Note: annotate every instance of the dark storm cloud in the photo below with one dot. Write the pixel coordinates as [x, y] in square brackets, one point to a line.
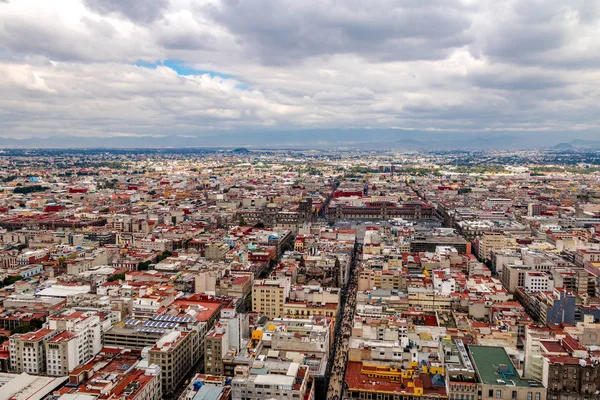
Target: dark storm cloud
[143, 11]
[287, 31]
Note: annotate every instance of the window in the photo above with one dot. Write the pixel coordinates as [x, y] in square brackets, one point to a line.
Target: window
[498, 394]
[491, 393]
[529, 396]
[514, 394]
[537, 396]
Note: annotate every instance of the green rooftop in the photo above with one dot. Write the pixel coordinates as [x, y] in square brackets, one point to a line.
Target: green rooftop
[494, 367]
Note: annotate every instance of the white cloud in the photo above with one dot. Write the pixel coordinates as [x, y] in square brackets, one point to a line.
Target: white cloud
[68, 67]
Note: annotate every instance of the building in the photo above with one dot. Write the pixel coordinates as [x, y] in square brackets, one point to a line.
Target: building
[28, 351]
[571, 378]
[174, 354]
[430, 243]
[536, 281]
[429, 299]
[216, 346]
[269, 297]
[62, 354]
[460, 373]
[498, 378]
[387, 381]
[513, 276]
[381, 210]
[555, 307]
[491, 241]
[80, 340]
[114, 374]
[122, 335]
[276, 379]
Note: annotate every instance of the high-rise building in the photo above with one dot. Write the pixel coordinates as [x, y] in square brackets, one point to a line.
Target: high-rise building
[174, 354]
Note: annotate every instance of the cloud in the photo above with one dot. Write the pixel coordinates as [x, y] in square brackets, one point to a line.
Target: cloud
[136, 10]
[287, 31]
[98, 68]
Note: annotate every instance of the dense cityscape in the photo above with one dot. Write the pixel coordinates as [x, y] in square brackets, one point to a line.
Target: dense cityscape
[217, 274]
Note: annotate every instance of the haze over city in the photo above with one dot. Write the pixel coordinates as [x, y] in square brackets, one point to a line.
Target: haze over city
[274, 73]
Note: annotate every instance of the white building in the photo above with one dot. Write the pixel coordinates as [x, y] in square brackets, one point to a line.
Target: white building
[28, 351]
[536, 281]
[80, 339]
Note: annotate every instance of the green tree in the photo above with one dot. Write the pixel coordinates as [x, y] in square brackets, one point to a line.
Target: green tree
[116, 277]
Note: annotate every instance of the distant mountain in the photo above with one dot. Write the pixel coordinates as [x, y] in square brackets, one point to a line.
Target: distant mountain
[241, 150]
[564, 146]
[590, 144]
[369, 139]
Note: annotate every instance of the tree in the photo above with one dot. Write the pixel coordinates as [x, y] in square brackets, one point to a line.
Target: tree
[116, 277]
[9, 280]
[22, 329]
[143, 266]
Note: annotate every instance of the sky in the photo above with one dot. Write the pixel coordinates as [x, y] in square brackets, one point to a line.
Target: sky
[99, 68]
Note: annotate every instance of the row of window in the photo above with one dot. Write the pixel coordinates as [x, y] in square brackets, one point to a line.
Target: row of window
[514, 394]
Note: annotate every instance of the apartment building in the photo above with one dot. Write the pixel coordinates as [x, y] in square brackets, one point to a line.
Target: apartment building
[498, 378]
[287, 380]
[269, 297]
[536, 281]
[62, 353]
[216, 346]
[174, 354]
[28, 351]
[429, 300]
[513, 276]
[491, 241]
[84, 342]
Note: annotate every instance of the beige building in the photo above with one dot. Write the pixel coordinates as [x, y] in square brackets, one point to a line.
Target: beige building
[216, 251]
[269, 297]
[28, 351]
[174, 354]
[429, 299]
[513, 276]
[386, 279]
[216, 346]
[491, 241]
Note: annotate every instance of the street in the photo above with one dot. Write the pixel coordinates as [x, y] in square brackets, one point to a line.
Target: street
[338, 369]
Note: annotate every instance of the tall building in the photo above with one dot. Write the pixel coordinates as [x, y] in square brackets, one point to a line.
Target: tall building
[28, 351]
[269, 297]
[491, 241]
[226, 336]
[62, 354]
[83, 341]
[174, 355]
[216, 345]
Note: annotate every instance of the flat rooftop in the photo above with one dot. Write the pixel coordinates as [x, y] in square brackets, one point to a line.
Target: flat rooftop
[494, 367]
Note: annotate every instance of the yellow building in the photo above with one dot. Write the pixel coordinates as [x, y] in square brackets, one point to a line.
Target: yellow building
[302, 309]
[491, 241]
[429, 300]
[268, 297]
